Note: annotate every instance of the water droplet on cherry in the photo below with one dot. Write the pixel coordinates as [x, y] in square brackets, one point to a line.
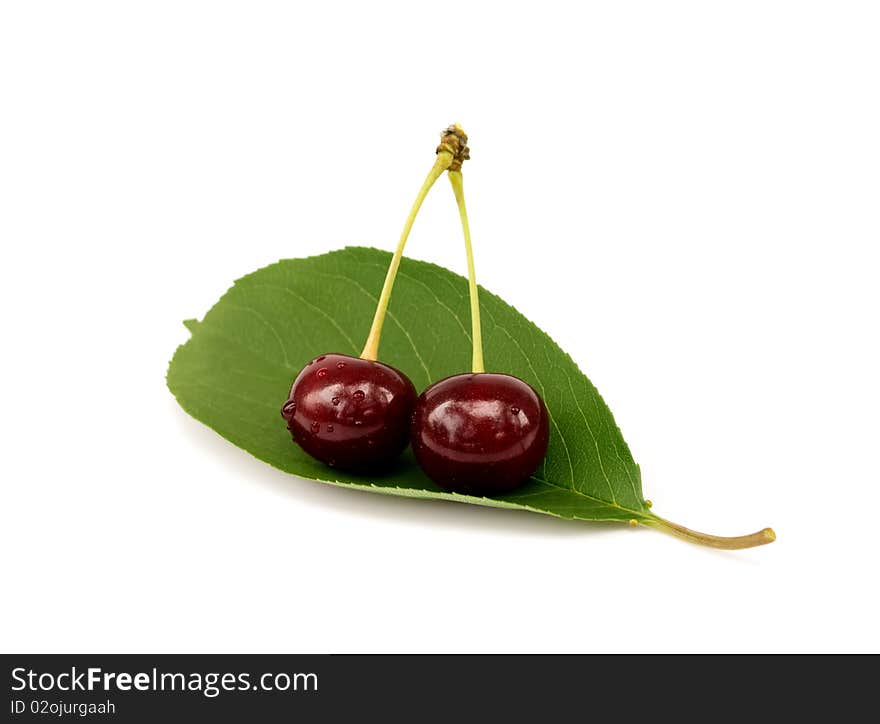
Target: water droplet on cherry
[514, 410]
[288, 409]
[363, 441]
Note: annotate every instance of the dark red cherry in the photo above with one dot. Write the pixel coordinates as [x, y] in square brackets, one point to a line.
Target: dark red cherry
[350, 412]
[481, 434]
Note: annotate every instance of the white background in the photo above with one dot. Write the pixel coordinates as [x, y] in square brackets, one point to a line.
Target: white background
[683, 194]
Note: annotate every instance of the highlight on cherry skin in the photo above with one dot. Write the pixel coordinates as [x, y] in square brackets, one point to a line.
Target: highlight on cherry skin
[349, 412]
[480, 433]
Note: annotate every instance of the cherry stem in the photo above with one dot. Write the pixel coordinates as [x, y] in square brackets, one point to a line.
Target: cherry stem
[455, 178]
[762, 537]
[371, 348]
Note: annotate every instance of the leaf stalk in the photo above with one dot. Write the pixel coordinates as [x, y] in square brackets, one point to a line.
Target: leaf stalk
[760, 538]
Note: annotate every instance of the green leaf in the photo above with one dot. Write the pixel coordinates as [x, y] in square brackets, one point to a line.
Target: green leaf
[235, 372]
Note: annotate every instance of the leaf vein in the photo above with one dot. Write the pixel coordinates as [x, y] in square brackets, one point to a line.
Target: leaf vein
[268, 324]
[595, 442]
[544, 394]
[390, 316]
[316, 308]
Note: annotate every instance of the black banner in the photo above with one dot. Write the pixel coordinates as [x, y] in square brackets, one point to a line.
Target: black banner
[267, 688]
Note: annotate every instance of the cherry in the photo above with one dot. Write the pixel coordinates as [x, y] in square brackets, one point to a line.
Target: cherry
[354, 412]
[349, 412]
[481, 434]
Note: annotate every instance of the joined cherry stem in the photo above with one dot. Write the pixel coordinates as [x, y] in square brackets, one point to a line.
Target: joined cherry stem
[371, 348]
[455, 178]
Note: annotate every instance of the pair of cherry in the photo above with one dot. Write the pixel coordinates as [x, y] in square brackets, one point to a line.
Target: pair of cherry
[481, 434]
[477, 433]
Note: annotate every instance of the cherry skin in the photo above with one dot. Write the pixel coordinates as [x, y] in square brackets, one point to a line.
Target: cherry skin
[481, 433]
[349, 412]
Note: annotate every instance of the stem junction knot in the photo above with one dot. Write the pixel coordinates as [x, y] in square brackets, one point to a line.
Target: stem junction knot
[454, 140]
